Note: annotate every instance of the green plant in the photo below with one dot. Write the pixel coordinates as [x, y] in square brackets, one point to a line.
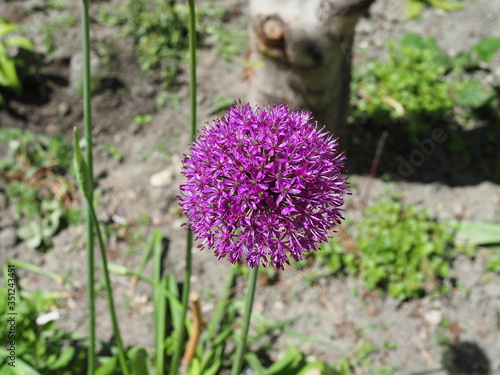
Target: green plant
[167, 97]
[396, 248]
[111, 151]
[10, 65]
[407, 87]
[229, 42]
[160, 32]
[112, 15]
[39, 348]
[414, 8]
[419, 86]
[361, 358]
[34, 176]
[292, 362]
[56, 4]
[473, 234]
[215, 346]
[143, 120]
[222, 104]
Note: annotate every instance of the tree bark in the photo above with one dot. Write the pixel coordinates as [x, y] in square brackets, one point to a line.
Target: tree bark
[301, 55]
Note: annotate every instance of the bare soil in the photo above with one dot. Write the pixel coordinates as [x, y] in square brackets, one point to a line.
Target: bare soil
[339, 313]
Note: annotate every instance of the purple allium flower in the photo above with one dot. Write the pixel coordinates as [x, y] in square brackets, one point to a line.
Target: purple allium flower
[262, 184]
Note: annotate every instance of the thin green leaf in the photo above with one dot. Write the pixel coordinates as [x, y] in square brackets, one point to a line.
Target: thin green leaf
[119, 269]
[35, 269]
[159, 307]
[22, 368]
[222, 337]
[19, 41]
[446, 5]
[288, 364]
[140, 361]
[414, 8]
[108, 368]
[477, 234]
[153, 243]
[63, 360]
[8, 74]
[221, 308]
[7, 27]
[206, 358]
[214, 369]
[174, 307]
[160, 329]
[82, 171]
[254, 363]
[194, 367]
[317, 368]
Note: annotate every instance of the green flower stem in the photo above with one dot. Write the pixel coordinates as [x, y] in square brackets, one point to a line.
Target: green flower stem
[109, 294]
[87, 119]
[192, 68]
[174, 365]
[159, 303]
[247, 314]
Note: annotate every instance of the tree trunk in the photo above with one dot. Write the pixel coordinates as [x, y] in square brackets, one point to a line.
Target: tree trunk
[301, 55]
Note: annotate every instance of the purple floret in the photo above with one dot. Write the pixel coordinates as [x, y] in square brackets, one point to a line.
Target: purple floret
[263, 184]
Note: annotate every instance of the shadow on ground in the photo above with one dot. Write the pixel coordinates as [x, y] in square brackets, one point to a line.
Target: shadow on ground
[440, 152]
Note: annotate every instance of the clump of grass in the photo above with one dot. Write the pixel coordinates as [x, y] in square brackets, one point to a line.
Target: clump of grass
[419, 86]
[396, 249]
[34, 175]
[160, 31]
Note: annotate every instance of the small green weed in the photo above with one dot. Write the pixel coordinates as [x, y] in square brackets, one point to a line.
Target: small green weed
[165, 98]
[112, 151]
[230, 42]
[112, 15]
[493, 264]
[56, 4]
[161, 35]
[396, 248]
[133, 234]
[414, 8]
[419, 85]
[143, 120]
[39, 348]
[361, 358]
[33, 176]
[222, 104]
[9, 65]
[473, 234]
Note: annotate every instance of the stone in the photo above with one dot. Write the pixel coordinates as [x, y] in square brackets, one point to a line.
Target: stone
[162, 178]
[8, 237]
[63, 109]
[492, 289]
[433, 317]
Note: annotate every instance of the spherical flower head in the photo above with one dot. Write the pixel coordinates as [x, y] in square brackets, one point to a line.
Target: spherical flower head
[263, 184]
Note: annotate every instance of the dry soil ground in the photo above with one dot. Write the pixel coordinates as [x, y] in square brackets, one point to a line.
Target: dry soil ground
[330, 312]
